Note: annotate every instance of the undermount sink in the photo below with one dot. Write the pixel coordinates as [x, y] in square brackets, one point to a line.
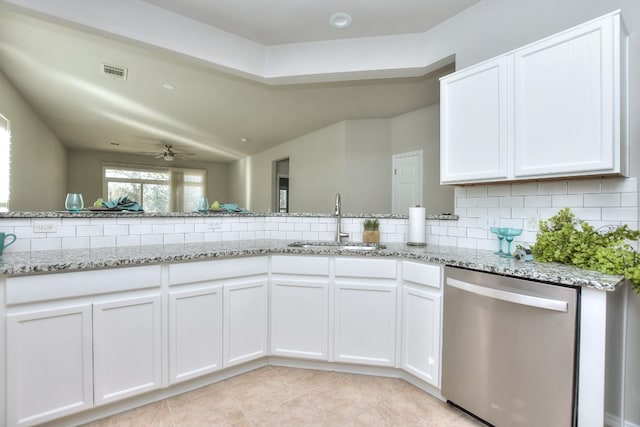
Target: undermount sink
[351, 246]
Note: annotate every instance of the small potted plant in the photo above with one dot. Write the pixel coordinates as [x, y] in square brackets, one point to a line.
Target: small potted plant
[371, 231]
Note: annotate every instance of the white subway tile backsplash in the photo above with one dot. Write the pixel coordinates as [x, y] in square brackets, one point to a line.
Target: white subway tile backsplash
[477, 191]
[89, 230]
[553, 187]
[584, 186]
[537, 201]
[103, 241]
[512, 202]
[526, 189]
[605, 199]
[116, 230]
[499, 190]
[151, 239]
[619, 214]
[620, 185]
[599, 201]
[76, 243]
[130, 240]
[567, 201]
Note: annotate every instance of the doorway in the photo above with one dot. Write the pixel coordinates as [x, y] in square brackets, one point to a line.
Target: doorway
[406, 181]
[281, 186]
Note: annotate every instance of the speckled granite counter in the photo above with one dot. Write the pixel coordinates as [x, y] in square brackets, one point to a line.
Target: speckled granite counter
[120, 214]
[70, 260]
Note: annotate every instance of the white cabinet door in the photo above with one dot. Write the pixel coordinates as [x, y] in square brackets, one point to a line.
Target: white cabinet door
[195, 332]
[300, 318]
[127, 348]
[567, 103]
[421, 334]
[245, 321]
[473, 124]
[49, 364]
[365, 324]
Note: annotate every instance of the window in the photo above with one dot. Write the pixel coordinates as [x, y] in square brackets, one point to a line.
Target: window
[5, 146]
[155, 189]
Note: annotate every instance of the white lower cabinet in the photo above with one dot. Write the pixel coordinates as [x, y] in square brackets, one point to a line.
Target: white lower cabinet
[365, 324]
[195, 332]
[127, 347]
[421, 320]
[245, 321]
[421, 334]
[300, 318]
[49, 364]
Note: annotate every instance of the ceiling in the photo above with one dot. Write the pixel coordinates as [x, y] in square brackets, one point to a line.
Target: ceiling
[57, 69]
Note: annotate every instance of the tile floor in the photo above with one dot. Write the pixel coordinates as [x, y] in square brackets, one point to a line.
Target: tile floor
[278, 396]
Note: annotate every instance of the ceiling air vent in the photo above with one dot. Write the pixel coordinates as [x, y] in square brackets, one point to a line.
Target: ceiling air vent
[113, 71]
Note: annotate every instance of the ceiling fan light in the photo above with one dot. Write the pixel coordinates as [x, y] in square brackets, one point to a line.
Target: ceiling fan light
[168, 157]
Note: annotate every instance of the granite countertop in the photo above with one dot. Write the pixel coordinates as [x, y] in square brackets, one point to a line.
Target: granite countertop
[105, 213]
[13, 263]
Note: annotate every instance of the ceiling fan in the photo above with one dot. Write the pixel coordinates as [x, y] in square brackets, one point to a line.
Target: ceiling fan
[169, 155]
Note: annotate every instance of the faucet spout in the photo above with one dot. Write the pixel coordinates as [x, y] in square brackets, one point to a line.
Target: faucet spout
[338, 214]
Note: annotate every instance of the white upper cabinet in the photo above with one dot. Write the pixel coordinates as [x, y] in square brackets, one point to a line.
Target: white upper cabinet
[565, 99]
[473, 117]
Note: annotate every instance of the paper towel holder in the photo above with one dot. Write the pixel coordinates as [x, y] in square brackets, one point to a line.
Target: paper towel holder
[418, 242]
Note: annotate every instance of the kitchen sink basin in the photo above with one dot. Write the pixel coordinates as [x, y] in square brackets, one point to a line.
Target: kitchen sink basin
[351, 246]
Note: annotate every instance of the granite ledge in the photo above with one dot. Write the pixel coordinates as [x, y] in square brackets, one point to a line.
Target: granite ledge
[128, 214]
[57, 261]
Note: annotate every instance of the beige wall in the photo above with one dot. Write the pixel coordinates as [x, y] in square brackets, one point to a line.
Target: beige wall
[37, 156]
[420, 130]
[85, 172]
[368, 167]
[353, 157]
[316, 172]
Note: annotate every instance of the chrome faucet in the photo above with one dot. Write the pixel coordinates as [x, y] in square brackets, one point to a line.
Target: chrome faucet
[337, 212]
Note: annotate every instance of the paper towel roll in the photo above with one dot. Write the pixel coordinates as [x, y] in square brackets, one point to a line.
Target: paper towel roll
[417, 219]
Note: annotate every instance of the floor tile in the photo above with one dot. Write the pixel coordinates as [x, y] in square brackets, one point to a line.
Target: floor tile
[290, 397]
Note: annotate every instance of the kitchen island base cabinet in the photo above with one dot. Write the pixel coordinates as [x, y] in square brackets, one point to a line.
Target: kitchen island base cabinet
[127, 347]
[245, 321]
[195, 332]
[49, 364]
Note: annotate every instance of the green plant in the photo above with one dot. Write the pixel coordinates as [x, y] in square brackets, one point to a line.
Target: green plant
[371, 225]
[565, 239]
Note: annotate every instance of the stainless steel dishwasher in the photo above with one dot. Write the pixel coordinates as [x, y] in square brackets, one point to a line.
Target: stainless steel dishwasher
[509, 349]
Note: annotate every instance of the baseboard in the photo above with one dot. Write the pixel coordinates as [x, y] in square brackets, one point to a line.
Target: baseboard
[611, 420]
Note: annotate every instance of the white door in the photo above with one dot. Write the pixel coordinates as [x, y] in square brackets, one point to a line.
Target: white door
[365, 324]
[474, 124]
[245, 321]
[421, 334]
[565, 103]
[127, 348]
[195, 332]
[49, 364]
[300, 318]
[407, 181]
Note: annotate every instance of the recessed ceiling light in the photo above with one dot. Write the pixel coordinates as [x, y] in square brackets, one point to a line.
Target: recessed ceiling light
[168, 86]
[340, 20]
[245, 140]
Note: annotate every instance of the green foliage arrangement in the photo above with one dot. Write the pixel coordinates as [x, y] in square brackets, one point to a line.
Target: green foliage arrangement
[565, 239]
[371, 224]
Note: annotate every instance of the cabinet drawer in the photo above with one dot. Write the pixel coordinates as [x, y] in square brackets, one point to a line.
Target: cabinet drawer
[24, 289]
[201, 271]
[423, 274]
[307, 265]
[374, 268]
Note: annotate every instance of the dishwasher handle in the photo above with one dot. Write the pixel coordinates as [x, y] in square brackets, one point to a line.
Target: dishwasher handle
[513, 297]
